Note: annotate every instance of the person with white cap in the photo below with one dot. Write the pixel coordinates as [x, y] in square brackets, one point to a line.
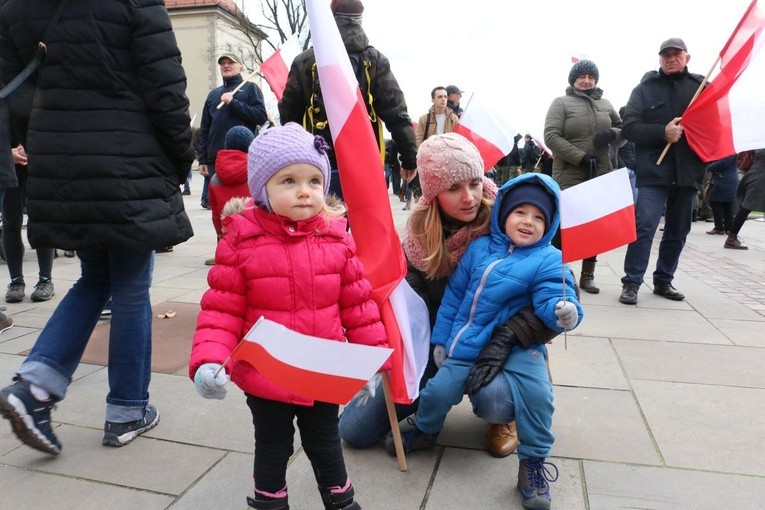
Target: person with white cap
[245, 108]
[652, 120]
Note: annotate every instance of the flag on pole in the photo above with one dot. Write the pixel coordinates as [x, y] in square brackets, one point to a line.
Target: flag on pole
[276, 68]
[727, 116]
[597, 216]
[491, 134]
[369, 212]
[312, 367]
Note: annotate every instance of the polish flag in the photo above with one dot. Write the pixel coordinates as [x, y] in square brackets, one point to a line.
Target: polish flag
[309, 366]
[597, 216]
[276, 68]
[727, 116]
[576, 57]
[488, 131]
[369, 212]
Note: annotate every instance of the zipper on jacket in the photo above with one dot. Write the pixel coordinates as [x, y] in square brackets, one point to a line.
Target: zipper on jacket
[474, 304]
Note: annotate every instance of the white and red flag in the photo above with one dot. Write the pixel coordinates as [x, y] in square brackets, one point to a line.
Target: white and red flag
[597, 216]
[308, 366]
[276, 68]
[491, 133]
[728, 115]
[369, 212]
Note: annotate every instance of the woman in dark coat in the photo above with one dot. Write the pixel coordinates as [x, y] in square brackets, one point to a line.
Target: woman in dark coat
[724, 179]
[108, 137]
[750, 193]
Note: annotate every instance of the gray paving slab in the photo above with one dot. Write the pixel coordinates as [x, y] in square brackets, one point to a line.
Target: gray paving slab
[226, 485]
[724, 365]
[706, 427]
[601, 425]
[587, 362]
[21, 491]
[747, 333]
[159, 466]
[611, 486]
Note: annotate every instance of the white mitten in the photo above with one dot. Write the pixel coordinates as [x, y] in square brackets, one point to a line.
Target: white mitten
[439, 355]
[368, 390]
[208, 384]
[567, 315]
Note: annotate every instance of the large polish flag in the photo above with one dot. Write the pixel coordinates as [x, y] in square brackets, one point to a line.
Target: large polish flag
[728, 115]
[492, 134]
[276, 68]
[308, 366]
[597, 216]
[378, 245]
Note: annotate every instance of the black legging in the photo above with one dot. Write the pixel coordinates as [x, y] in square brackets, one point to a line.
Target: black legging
[13, 244]
[738, 220]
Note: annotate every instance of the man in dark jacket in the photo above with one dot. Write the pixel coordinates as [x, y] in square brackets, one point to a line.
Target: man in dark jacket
[109, 143]
[651, 121]
[302, 100]
[245, 108]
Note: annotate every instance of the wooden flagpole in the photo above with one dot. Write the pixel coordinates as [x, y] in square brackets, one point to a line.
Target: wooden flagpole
[394, 428]
[698, 91]
[241, 85]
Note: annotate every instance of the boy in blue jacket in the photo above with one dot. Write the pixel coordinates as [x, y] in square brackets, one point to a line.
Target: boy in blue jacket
[499, 274]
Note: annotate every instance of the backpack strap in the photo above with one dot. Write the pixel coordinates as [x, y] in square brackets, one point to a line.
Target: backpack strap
[40, 53]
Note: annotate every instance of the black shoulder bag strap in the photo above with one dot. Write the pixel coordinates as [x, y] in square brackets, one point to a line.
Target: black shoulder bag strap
[33, 64]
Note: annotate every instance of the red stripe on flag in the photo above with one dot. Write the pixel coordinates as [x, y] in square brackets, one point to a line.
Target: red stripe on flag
[336, 389]
[490, 153]
[275, 71]
[598, 236]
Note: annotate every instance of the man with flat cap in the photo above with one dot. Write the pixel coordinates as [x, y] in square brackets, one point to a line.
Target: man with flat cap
[245, 108]
[651, 121]
[453, 96]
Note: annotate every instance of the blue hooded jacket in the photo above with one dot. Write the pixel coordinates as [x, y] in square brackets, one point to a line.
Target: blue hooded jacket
[495, 279]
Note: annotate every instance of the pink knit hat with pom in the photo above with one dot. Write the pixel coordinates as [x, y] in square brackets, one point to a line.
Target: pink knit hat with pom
[444, 160]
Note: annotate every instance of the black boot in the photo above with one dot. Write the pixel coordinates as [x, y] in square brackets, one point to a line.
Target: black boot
[587, 280]
[337, 501]
[260, 502]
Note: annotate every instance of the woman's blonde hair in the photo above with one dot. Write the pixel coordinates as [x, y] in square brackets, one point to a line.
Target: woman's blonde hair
[427, 227]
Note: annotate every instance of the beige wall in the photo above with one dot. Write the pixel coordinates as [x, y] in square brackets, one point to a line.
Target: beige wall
[203, 35]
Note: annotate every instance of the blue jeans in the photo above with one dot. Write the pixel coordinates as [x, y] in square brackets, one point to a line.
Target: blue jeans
[126, 277]
[205, 200]
[677, 206]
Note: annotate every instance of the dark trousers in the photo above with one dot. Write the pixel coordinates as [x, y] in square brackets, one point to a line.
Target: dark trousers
[722, 212]
[274, 435]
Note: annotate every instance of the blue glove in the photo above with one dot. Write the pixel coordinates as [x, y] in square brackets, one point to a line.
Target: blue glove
[567, 314]
[207, 384]
[368, 390]
[439, 355]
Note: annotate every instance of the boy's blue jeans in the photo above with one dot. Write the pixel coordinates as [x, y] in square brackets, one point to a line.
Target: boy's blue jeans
[126, 277]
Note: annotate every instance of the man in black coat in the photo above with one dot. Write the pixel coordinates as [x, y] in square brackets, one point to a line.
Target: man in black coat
[651, 121]
[245, 108]
[108, 139]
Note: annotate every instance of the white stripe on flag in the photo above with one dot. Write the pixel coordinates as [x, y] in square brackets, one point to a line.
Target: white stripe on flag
[595, 198]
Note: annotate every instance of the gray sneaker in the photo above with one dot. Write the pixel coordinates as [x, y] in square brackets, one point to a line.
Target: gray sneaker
[15, 292]
[43, 290]
[29, 417]
[120, 434]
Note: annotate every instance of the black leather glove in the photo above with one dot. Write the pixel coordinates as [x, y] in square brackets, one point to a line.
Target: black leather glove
[589, 161]
[491, 359]
[604, 138]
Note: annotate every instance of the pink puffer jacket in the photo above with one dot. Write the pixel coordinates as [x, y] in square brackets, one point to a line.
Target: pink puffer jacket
[304, 275]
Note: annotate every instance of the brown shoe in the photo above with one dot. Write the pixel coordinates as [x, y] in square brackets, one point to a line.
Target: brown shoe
[210, 262]
[502, 439]
[732, 242]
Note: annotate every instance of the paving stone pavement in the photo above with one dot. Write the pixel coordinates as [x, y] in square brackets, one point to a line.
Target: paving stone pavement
[658, 406]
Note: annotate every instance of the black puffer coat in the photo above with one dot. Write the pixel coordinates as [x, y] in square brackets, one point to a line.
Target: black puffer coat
[105, 123]
[657, 100]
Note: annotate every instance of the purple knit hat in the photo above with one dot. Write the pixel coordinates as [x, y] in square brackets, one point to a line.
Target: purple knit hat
[278, 147]
[444, 160]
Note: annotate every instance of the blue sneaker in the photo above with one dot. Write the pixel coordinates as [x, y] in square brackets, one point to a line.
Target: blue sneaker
[412, 439]
[120, 434]
[29, 417]
[532, 483]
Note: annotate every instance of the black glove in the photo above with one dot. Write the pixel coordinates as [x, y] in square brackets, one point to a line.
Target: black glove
[589, 161]
[491, 359]
[604, 138]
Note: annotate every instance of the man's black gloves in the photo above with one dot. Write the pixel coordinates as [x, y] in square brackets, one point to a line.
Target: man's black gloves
[589, 161]
[491, 359]
[604, 138]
